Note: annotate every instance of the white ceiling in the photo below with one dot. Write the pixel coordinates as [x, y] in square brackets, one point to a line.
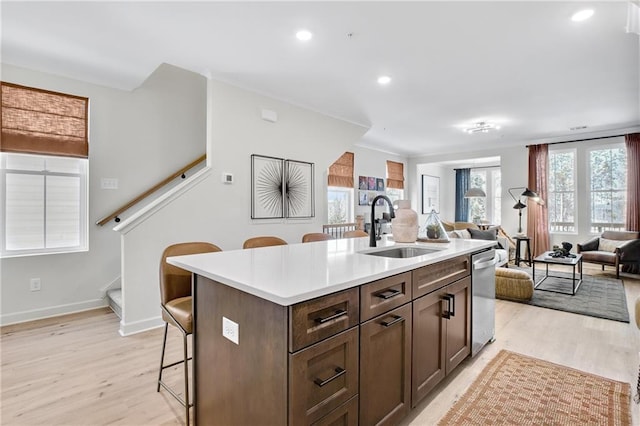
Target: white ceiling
[523, 65]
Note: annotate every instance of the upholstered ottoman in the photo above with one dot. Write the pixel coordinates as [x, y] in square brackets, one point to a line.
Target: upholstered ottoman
[513, 284]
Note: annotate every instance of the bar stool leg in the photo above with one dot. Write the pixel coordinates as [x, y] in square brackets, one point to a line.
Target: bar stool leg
[186, 379]
[164, 345]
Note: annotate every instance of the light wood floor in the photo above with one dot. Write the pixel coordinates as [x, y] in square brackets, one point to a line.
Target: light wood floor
[77, 370]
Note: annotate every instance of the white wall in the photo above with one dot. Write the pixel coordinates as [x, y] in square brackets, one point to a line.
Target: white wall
[447, 196]
[513, 166]
[372, 163]
[219, 213]
[137, 137]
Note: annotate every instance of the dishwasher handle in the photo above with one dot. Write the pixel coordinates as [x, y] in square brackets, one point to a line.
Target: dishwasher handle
[487, 264]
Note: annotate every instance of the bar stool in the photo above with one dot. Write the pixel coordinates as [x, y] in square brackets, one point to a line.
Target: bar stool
[316, 236]
[175, 301]
[265, 241]
[526, 240]
[355, 234]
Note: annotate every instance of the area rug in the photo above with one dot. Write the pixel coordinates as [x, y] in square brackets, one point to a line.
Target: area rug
[515, 389]
[600, 297]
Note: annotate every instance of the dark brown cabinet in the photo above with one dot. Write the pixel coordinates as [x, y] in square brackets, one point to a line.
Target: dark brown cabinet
[385, 367]
[364, 355]
[441, 335]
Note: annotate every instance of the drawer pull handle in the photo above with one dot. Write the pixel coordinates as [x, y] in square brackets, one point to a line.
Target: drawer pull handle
[447, 312]
[453, 304]
[396, 318]
[339, 372]
[388, 294]
[338, 314]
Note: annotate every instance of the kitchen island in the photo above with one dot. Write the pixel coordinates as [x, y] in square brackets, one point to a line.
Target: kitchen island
[326, 332]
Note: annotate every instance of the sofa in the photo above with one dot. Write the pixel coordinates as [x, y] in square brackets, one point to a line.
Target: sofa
[502, 243]
[613, 248]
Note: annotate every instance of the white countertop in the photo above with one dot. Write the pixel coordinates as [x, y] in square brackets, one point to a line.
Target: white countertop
[297, 272]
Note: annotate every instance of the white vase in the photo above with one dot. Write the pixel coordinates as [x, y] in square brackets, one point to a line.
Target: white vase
[404, 226]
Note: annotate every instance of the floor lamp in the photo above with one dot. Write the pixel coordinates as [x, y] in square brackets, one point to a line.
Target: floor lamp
[520, 205]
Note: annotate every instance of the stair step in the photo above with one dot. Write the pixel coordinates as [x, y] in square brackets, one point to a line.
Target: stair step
[115, 301]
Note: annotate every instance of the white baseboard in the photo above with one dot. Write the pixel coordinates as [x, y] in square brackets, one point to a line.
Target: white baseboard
[129, 328]
[117, 283]
[53, 311]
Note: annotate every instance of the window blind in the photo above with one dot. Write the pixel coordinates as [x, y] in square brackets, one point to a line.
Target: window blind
[36, 121]
[341, 171]
[395, 175]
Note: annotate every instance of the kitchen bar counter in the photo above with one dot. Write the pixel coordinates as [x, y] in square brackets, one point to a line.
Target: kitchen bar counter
[298, 272]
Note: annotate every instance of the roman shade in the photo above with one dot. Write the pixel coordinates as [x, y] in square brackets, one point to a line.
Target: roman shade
[341, 171]
[36, 121]
[395, 175]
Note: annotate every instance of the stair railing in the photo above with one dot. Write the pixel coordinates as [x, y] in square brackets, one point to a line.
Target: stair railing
[145, 194]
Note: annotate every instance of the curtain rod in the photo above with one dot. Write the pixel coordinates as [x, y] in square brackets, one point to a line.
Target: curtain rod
[577, 140]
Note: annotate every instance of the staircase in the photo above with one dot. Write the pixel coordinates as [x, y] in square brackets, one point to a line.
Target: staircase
[114, 297]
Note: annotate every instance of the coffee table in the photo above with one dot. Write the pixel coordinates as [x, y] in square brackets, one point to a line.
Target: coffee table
[569, 261]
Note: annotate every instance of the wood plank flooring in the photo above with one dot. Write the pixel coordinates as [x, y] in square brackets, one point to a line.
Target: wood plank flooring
[77, 370]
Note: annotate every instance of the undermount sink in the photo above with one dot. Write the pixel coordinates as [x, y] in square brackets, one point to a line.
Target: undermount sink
[402, 252]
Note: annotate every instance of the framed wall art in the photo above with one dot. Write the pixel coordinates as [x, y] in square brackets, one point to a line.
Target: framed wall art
[267, 184]
[298, 189]
[281, 188]
[430, 194]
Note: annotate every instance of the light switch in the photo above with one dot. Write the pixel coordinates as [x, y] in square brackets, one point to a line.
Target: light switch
[109, 183]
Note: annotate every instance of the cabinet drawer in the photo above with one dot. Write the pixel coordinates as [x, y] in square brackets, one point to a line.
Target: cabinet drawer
[344, 415]
[432, 277]
[317, 319]
[381, 296]
[322, 377]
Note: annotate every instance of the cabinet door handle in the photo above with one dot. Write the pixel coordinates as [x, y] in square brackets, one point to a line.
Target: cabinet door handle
[339, 313]
[396, 318]
[447, 311]
[453, 304]
[339, 372]
[388, 293]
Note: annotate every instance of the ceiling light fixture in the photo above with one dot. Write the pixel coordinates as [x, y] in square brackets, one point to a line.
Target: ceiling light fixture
[582, 15]
[304, 35]
[481, 127]
[384, 79]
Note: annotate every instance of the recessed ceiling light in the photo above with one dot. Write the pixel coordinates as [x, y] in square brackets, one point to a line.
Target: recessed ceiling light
[582, 15]
[384, 79]
[304, 35]
[481, 127]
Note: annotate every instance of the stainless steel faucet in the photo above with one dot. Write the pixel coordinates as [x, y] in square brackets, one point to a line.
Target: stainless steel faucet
[372, 231]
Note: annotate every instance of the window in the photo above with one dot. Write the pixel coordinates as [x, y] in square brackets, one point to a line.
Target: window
[486, 208]
[45, 204]
[43, 171]
[340, 204]
[395, 195]
[608, 188]
[562, 191]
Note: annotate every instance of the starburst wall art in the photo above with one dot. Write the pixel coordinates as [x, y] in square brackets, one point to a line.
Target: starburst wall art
[281, 188]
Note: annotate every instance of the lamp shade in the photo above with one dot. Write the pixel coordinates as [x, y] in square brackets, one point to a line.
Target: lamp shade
[520, 205]
[474, 192]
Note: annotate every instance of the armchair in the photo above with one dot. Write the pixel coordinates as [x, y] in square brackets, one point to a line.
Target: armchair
[613, 248]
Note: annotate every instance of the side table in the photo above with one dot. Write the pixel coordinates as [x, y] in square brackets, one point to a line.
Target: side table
[519, 239]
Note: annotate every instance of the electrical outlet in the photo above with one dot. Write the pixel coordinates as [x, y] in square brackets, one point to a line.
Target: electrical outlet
[34, 285]
[230, 330]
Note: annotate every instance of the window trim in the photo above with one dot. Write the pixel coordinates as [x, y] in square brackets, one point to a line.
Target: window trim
[575, 192]
[588, 183]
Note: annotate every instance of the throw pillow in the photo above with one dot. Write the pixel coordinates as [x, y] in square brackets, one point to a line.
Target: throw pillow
[489, 234]
[452, 234]
[610, 245]
[463, 233]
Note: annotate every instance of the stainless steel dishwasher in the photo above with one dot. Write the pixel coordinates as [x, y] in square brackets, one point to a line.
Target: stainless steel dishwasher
[483, 299]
